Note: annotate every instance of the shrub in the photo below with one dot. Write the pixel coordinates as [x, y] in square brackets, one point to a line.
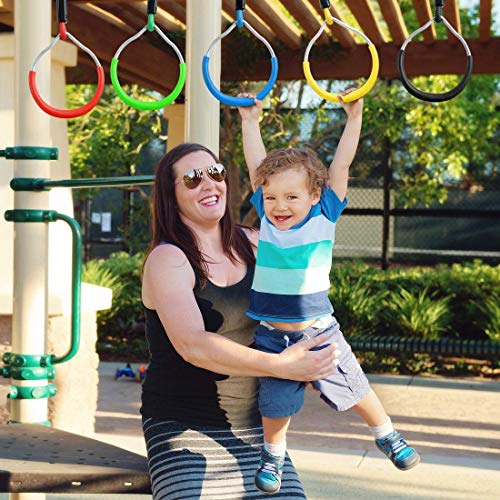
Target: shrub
[420, 315]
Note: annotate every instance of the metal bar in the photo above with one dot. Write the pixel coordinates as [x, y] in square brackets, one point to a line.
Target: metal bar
[424, 212]
[76, 287]
[444, 346]
[29, 184]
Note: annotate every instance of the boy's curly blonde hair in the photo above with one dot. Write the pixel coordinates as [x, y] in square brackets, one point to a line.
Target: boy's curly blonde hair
[283, 159]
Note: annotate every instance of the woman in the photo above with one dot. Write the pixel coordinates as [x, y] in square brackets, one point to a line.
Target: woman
[199, 402]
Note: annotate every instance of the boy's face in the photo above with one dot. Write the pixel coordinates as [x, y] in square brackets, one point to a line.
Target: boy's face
[287, 200]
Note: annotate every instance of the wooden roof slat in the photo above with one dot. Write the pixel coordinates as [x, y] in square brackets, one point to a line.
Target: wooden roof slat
[424, 13]
[485, 8]
[345, 37]
[6, 6]
[452, 15]
[174, 8]
[85, 72]
[108, 15]
[162, 18]
[365, 16]
[284, 29]
[139, 58]
[394, 18]
[305, 15]
[254, 21]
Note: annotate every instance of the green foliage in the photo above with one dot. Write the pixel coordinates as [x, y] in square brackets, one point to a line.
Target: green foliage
[421, 315]
[491, 317]
[108, 141]
[357, 304]
[122, 273]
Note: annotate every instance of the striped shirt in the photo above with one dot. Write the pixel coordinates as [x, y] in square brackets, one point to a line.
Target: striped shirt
[291, 280]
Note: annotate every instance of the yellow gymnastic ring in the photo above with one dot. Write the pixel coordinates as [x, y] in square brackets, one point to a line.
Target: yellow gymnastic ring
[352, 96]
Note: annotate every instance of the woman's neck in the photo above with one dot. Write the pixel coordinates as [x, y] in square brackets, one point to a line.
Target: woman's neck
[209, 236]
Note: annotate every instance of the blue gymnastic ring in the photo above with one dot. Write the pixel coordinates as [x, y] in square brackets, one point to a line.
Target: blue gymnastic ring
[238, 101]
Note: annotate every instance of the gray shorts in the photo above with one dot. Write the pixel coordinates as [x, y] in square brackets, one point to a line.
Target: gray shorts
[343, 389]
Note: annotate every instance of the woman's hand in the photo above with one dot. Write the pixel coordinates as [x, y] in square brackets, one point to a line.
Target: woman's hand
[353, 109]
[298, 362]
[250, 112]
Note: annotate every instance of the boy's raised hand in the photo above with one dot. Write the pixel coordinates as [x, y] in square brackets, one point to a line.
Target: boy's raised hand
[250, 112]
[353, 109]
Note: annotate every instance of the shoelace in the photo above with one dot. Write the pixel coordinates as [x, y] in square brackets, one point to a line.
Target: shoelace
[270, 468]
[397, 443]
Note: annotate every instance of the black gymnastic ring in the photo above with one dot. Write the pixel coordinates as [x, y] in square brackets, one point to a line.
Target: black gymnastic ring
[427, 96]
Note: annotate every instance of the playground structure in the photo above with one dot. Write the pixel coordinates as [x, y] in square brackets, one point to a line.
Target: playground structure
[29, 361]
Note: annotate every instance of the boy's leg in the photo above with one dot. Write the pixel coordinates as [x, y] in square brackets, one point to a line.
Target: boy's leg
[268, 475]
[388, 441]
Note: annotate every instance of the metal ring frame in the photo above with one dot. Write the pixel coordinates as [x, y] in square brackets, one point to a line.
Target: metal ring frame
[356, 94]
[239, 101]
[66, 113]
[147, 105]
[427, 96]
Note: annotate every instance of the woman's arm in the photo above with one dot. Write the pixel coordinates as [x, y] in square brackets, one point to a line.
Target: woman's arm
[168, 288]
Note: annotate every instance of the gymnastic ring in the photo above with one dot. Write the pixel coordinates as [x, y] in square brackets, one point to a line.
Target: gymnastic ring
[428, 96]
[147, 105]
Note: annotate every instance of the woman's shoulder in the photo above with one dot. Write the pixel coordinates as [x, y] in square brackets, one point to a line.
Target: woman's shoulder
[252, 234]
[166, 270]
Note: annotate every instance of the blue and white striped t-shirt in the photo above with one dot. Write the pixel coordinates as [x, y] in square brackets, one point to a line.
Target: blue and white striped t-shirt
[291, 279]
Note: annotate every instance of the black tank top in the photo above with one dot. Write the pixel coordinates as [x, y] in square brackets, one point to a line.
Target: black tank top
[177, 390]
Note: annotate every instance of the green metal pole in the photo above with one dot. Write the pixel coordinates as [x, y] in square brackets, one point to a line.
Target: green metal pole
[41, 184]
[76, 288]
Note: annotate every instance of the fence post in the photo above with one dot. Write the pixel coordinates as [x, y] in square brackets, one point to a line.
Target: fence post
[386, 162]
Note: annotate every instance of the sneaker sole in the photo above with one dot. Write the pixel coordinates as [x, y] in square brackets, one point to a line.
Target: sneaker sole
[267, 492]
[408, 467]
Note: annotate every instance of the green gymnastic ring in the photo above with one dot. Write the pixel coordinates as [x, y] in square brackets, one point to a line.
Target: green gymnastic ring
[147, 105]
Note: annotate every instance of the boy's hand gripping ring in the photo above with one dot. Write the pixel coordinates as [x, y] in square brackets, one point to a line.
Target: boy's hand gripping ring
[427, 96]
[239, 101]
[66, 113]
[356, 94]
[148, 105]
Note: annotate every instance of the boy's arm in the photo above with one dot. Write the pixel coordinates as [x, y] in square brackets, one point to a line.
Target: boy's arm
[253, 146]
[338, 173]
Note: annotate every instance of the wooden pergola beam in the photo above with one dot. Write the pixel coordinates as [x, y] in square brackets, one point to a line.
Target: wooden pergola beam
[424, 14]
[485, 8]
[306, 16]
[6, 6]
[394, 18]
[255, 22]
[284, 29]
[137, 58]
[162, 18]
[420, 60]
[365, 16]
[345, 37]
[174, 8]
[85, 73]
[452, 14]
[109, 14]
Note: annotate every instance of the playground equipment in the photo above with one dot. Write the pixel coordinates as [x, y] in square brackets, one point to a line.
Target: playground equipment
[427, 96]
[148, 105]
[128, 372]
[370, 82]
[63, 35]
[239, 101]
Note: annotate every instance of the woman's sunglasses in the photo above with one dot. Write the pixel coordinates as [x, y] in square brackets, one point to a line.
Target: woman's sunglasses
[192, 178]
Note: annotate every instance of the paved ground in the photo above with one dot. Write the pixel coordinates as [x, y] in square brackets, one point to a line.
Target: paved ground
[455, 424]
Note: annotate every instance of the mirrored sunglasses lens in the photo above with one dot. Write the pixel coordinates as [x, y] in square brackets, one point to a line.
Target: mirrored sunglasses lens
[217, 172]
[192, 179]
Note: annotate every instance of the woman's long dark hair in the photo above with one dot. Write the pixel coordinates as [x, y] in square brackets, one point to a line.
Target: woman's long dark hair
[167, 226]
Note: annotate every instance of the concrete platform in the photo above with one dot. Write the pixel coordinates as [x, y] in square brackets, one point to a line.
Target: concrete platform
[455, 424]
